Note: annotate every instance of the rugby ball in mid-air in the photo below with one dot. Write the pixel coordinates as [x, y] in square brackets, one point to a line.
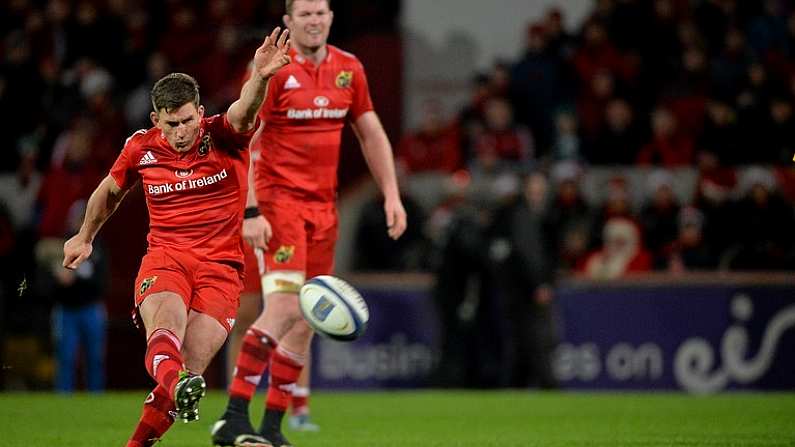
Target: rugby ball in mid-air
[333, 308]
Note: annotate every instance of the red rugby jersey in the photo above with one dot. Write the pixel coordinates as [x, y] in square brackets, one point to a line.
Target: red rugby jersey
[195, 198]
[304, 114]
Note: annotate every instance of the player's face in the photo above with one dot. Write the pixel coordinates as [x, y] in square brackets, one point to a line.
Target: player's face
[180, 126]
[309, 23]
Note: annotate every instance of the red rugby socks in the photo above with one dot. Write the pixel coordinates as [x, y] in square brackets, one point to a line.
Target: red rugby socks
[255, 353]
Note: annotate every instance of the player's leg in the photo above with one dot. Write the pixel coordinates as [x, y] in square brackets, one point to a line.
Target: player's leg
[164, 316]
[204, 336]
[282, 276]
[161, 293]
[300, 414]
[286, 364]
[156, 418]
[212, 317]
[250, 308]
[289, 360]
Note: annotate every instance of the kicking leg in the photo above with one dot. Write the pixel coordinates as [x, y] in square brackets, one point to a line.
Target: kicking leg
[164, 316]
[156, 418]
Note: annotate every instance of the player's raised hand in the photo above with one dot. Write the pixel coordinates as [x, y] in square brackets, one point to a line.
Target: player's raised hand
[395, 218]
[75, 251]
[272, 54]
[257, 232]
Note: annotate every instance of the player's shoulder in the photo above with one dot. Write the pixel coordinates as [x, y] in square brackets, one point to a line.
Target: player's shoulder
[344, 57]
[214, 119]
[216, 125]
[342, 53]
[141, 138]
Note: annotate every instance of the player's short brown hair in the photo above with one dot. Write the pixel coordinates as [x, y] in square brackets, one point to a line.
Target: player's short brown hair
[288, 5]
[174, 91]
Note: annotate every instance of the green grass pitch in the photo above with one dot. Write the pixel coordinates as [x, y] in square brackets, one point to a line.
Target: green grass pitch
[433, 419]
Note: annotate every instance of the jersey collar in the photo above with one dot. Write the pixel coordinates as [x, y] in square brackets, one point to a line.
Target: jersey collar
[302, 60]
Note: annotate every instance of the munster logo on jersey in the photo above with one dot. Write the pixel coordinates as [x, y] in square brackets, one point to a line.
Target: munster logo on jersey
[204, 147]
[146, 284]
[284, 253]
[344, 79]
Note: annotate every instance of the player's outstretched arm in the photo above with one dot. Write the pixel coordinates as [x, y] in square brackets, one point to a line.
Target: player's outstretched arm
[101, 205]
[268, 59]
[378, 154]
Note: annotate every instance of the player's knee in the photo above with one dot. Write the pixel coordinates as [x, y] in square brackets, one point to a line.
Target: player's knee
[164, 310]
[173, 323]
[284, 305]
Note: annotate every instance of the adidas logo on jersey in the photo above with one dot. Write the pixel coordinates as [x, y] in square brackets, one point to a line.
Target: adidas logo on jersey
[147, 159]
[291, 83]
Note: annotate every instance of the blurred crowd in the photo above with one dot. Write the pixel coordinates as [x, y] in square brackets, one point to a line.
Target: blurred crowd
[658, 82]
[663, 86]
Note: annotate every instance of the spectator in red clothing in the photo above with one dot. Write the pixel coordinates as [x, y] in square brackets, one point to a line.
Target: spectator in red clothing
[591, 104]
[502, 142]
[668, 147]
[597, 54]
[622, 254]
[67, 181]
[435, 146]
[686, 94]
